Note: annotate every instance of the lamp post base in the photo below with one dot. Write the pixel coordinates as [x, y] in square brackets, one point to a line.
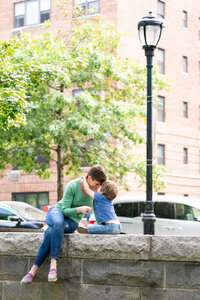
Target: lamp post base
[148, 223]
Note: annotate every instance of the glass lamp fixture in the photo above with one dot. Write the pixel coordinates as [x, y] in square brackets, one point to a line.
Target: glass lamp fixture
[150, 29]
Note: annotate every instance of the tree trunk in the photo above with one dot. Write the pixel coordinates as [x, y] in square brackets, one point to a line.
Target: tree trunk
[60, 167]
[59, 173]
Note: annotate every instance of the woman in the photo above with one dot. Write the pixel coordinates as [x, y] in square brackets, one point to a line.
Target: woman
[64, 217]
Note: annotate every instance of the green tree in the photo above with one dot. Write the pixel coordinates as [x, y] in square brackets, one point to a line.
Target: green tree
[99, 124]
[13, 84]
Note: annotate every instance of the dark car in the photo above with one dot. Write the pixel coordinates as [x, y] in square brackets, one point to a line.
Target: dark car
[14, 214]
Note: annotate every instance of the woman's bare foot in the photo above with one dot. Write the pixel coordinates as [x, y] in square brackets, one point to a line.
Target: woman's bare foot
[81, 229]
[33, 270]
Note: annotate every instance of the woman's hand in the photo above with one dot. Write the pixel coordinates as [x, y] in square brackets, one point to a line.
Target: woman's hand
[85, 184]
[84, 209]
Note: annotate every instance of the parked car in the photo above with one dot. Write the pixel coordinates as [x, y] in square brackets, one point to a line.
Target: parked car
[174, 215]
[14, 214]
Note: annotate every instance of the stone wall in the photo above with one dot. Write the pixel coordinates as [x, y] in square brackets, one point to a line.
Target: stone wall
[95, 267]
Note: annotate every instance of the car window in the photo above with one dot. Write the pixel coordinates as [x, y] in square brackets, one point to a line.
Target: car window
[128, 209]
[5, 213]
[164, 210]
[141, 208]
[27, 211]
[196, 213]
[34, 214]
[186, 212]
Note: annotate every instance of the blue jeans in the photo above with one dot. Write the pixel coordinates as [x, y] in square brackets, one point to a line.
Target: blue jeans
[107, 228]
[53, 236]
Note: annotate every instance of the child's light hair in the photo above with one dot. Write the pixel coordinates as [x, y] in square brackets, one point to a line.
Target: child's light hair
[109, 190]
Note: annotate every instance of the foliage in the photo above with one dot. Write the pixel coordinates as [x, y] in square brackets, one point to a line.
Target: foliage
[100, 125]
[13, 84]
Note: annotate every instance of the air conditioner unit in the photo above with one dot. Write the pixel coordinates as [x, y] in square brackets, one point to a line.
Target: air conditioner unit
[14, 175]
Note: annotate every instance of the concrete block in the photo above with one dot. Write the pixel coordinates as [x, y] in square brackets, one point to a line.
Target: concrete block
[183, 275]
[69, 270]
[20, 243]
[126, 247]
[12, 268]
[154, 293]
[110, 293]
[1, 289]
[35, 291]
[170, 294]
[119, 273]
[76, 292]
[175, 248]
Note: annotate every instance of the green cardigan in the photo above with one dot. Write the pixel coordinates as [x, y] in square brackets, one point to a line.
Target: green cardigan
[73, 197]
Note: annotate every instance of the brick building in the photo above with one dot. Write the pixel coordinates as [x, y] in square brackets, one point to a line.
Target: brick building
[176, 137]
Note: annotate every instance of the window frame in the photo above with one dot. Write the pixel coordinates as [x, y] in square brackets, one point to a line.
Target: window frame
[24, 198]
[85, 6]
[185, 64]
[25, 13]
[161, 63]
[161, 109]
[185, 19]
[161, 4]
[185, 110]
[161, 160]
[185, 156]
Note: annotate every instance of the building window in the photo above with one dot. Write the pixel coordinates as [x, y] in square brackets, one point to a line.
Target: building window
[161, 9]
[161, 60]
[38, 200]
[92, 6]
[161, 154]
[185, 156]
[39, 159]
[185, 64]
[31, 12]
[185, 110]
[77, 93]
[185, 19]
[161, 109]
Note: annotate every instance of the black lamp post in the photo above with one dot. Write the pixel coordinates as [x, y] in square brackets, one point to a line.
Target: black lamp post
[149, 28]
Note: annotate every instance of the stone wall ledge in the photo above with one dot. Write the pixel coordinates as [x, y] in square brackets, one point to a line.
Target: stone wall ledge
[114, 247]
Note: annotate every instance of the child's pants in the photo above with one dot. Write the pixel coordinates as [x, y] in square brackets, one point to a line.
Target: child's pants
[106, 228]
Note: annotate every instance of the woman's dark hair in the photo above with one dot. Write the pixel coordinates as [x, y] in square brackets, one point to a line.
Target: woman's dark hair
[97, 173]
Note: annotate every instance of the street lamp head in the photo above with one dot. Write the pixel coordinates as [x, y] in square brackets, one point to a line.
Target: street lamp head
[150, 29]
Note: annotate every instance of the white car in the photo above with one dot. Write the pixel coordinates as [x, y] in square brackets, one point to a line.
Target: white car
[15, 214]
[174, 215]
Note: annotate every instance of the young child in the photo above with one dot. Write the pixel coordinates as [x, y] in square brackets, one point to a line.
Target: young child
[107, 221]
